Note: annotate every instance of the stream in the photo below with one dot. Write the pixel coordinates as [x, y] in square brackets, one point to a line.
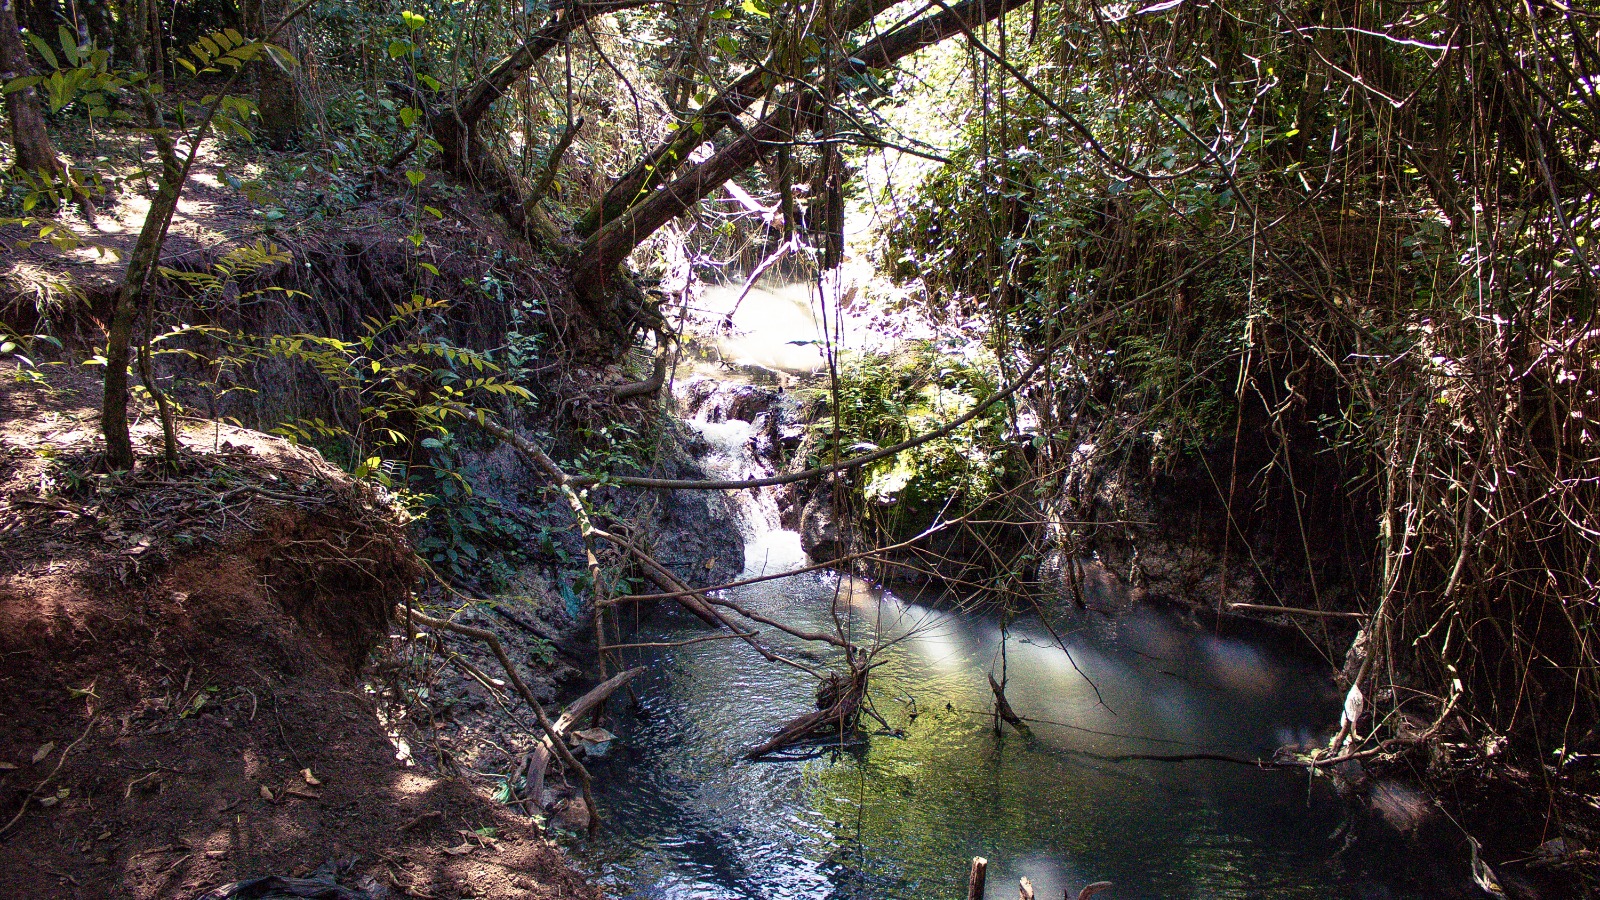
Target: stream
[900, 812]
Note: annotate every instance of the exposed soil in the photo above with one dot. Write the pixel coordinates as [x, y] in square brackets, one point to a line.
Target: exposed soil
[180, 657]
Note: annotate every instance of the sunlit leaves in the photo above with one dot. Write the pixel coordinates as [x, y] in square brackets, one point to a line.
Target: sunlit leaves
[226, 49]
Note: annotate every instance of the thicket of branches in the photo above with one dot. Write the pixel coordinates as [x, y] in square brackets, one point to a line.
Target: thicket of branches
[1360, 231]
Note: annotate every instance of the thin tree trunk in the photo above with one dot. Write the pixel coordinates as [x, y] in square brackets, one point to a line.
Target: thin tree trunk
[154, 46]
[132, 23]
[131, 296]
[36, 153]
[599, 256]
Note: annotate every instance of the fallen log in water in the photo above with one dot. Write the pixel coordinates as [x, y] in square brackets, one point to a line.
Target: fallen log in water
[537, 761]
[839, 701]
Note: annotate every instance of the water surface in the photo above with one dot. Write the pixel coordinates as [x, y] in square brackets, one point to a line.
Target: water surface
[899, 814]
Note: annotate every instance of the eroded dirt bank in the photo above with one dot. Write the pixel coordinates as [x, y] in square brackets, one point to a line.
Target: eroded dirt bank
[179, 668]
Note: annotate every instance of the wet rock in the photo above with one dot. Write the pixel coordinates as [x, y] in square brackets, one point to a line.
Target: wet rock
[573, 814]
[822, 536]
[694, 533]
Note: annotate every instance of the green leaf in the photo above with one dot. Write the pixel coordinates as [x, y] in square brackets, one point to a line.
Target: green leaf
[399, 48]
[69, 44]
[409, 115]
[17, 84]
[280, 57]
[757, 8]
[415, 177]
[44, 50]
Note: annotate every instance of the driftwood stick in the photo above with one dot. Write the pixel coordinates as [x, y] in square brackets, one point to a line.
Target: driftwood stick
[1295, 611]
[646, 645]
[1088, 891]
[520, 622]
[538, 759]
[596, 695]
[1003, 706]
[976, 877]
[493, 641]
[664, 578]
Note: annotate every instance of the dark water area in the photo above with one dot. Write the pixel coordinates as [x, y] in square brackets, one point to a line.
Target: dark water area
[899, 815]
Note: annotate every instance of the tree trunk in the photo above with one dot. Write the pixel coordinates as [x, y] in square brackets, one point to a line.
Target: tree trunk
[132, 24]
[131, 297]
[721, 111]
[456, 127]
[35, 151]
[595, 269]
[154, 42]
[279, 95]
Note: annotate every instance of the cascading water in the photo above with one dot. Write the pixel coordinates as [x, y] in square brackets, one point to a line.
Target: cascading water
[739, 426]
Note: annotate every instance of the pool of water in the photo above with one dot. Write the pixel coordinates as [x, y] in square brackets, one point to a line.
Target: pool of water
[900, 812]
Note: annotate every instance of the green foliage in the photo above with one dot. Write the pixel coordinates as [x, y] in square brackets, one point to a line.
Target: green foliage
[240, 262]
[883, 400]
[608, 450]
[21, 349]
[412, 391]
[470, 536]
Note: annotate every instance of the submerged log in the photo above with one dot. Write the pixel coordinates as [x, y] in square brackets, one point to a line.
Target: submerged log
[839, 706]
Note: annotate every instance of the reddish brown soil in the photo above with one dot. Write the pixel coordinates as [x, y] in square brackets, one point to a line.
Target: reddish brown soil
[176, 650]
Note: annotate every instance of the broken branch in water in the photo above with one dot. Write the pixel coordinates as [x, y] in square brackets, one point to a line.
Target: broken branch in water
[537, 761]
[1003, 706]
[839, 706]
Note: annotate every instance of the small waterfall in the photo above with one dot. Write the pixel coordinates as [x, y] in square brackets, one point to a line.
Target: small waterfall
[742, 428]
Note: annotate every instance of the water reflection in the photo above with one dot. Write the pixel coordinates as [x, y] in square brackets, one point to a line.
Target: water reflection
[899, 815]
